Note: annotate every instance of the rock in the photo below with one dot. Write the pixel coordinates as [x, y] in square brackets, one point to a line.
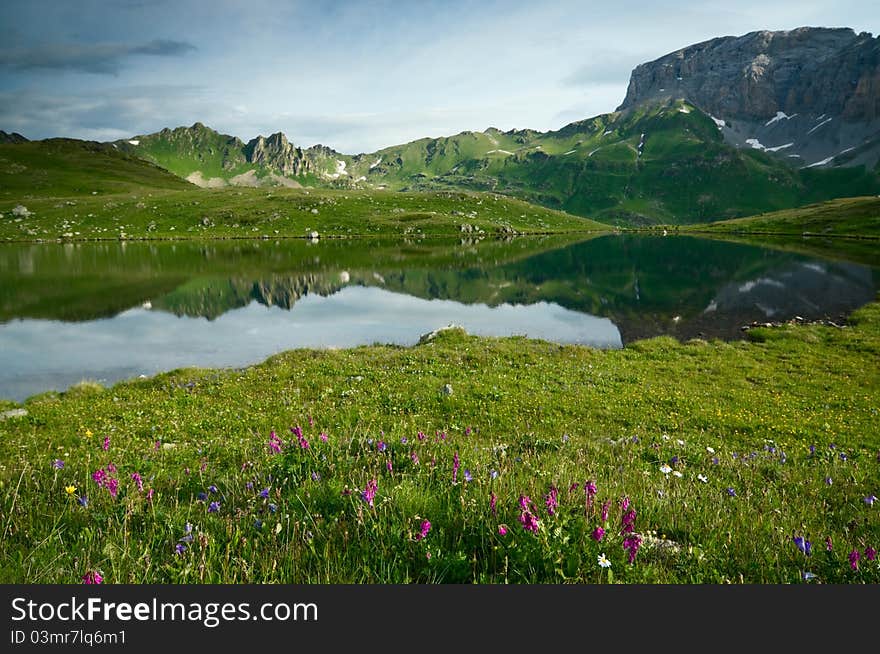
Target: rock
[430, 336]
[13, 413]
[315, 212]
[21, 211]
[314, 235]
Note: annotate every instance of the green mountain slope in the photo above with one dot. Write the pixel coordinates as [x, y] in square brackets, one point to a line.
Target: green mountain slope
[655, 163]
[66, 167]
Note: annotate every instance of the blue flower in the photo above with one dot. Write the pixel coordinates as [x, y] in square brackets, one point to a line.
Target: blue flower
[212, 488]
[493, 474]
[202, 497]
[264, 493]
[468, 476]
[273, 508]
[83, 500]
[213, 507]
[731, 491]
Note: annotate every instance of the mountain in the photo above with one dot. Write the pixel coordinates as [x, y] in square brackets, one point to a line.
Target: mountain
[207, 158]
[810, 95]
[14, 137]
[68, 167]
[727, 128]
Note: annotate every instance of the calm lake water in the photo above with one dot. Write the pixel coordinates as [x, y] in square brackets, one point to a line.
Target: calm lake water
[111, 311]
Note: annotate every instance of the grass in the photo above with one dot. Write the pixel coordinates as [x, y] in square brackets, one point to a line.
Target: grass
[443, 427]
[857, 217]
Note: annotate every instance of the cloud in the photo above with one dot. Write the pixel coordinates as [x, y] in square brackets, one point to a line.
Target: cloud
[97, 58]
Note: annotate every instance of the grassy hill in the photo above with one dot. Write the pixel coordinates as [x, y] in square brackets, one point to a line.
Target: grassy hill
[60, 168]
[851, 217]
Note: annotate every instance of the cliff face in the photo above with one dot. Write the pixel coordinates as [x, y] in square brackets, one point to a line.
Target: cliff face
[278, 154]
[812, 92]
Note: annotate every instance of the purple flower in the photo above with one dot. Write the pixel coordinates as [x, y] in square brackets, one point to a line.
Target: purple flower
[731, 491]
[213, 507]
[316, 476]
[58, 464]
[870, 553]
[202, 497]
[389, 465]
[264, 493]
[492, 501]
[673, 461]
[455, 465]
[298, 432]
[828, 480]
[551, 500]
[92, 578]
[180, 548]
[529, 521]
[249, 485]
[403, 440]
[414, 457]
[369, 493]
[274, 443]
[524, 502]
[423, 530]
[323, 437]
[631, 544]
[624, 504]
[421, 436]
[212, 488]
[502, 530]
[381, 446]
[854, 560]
[829, 545]
[273, 508]
[803, 545]
[605, 507]
[843, 456]
[812, 449]
[113, 486]
[870, 499]
[106, 444]
[136, 478]
[574, 486]
[83, 500]
[468, 476]
[597, 534]
[628, 522]
[99, 476]
[715, 460]
[493, 474]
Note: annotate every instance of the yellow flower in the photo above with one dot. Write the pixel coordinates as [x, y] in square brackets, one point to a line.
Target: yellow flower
[70, 490]
[88, 433]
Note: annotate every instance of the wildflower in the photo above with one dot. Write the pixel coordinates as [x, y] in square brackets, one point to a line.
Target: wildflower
[715, 460]
[381, 446]
[679, 442]
[202, 497]
[843, 456]
[150, 494]
[628, 521]
[70, 490]
[673, 461]
[99, 476]
[731, 492]
[369, 493]
[551, 500]
[212, 488]
[854, 560]
[803, 545]
[493, 474]
[565, 438]
[502, 530]
[828, 480]
[605, 506]
[468, 476]
[710, 450]
[213, 507]
[421, 436]
[274, 443]
[111, 468]
[264, 493]
[414, 457]
[665, 469]
[598, 534]
[423, 530]
[273, 508]
[113, 486]
[870, 500]
[404, 440]
[258, 524]
[828, 544]
[703, 478]
[624, 504]
[806, 576]
[317, 477]
[529, 521]
[870, 553]
[106, 444]
[603, 561]
[676, 473]
[573, 488]
[323, 437]
[298, 432]
[92, 578]
[812, 449]
[524, 502]
[455, 466]
[467, 431]
[631, 544]
[89, 433]
[136, 478]
[180, 548]
[492, 501]
[58, 464]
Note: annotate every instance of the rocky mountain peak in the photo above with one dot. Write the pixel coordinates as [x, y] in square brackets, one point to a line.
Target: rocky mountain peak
[14, 137]
[277, 153]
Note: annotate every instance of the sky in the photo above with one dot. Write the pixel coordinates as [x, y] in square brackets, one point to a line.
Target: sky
[354, 75]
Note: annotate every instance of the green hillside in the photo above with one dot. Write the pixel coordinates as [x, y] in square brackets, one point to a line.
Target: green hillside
[66, 168]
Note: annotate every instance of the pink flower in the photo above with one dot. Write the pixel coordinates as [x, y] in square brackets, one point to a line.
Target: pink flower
[106, 444]
[854, 559]
[369, 493]
[524, 502]
[529, 521]
[598, 534]
[389, 465]
[551, 500]
[455, 466]
[423, 530]
[870, 553]
[93, 577]
[136, 478]
[502, 530]
[605, 507]
[493, 500]
[631, 544]
[323, 437]
[274, 443]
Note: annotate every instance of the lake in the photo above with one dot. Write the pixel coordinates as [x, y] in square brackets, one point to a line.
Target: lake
[115, 310]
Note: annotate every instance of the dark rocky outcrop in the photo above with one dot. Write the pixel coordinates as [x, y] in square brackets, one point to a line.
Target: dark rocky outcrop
[14, 137]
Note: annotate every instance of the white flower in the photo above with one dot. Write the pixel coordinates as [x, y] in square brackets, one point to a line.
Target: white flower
[703, 478]
[665, 469]
[676, 473]
[710, 450]
[603, 561]
[665, 437]
[679, 441]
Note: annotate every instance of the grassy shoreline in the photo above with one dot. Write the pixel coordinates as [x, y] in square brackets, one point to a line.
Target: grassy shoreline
[769, 444]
